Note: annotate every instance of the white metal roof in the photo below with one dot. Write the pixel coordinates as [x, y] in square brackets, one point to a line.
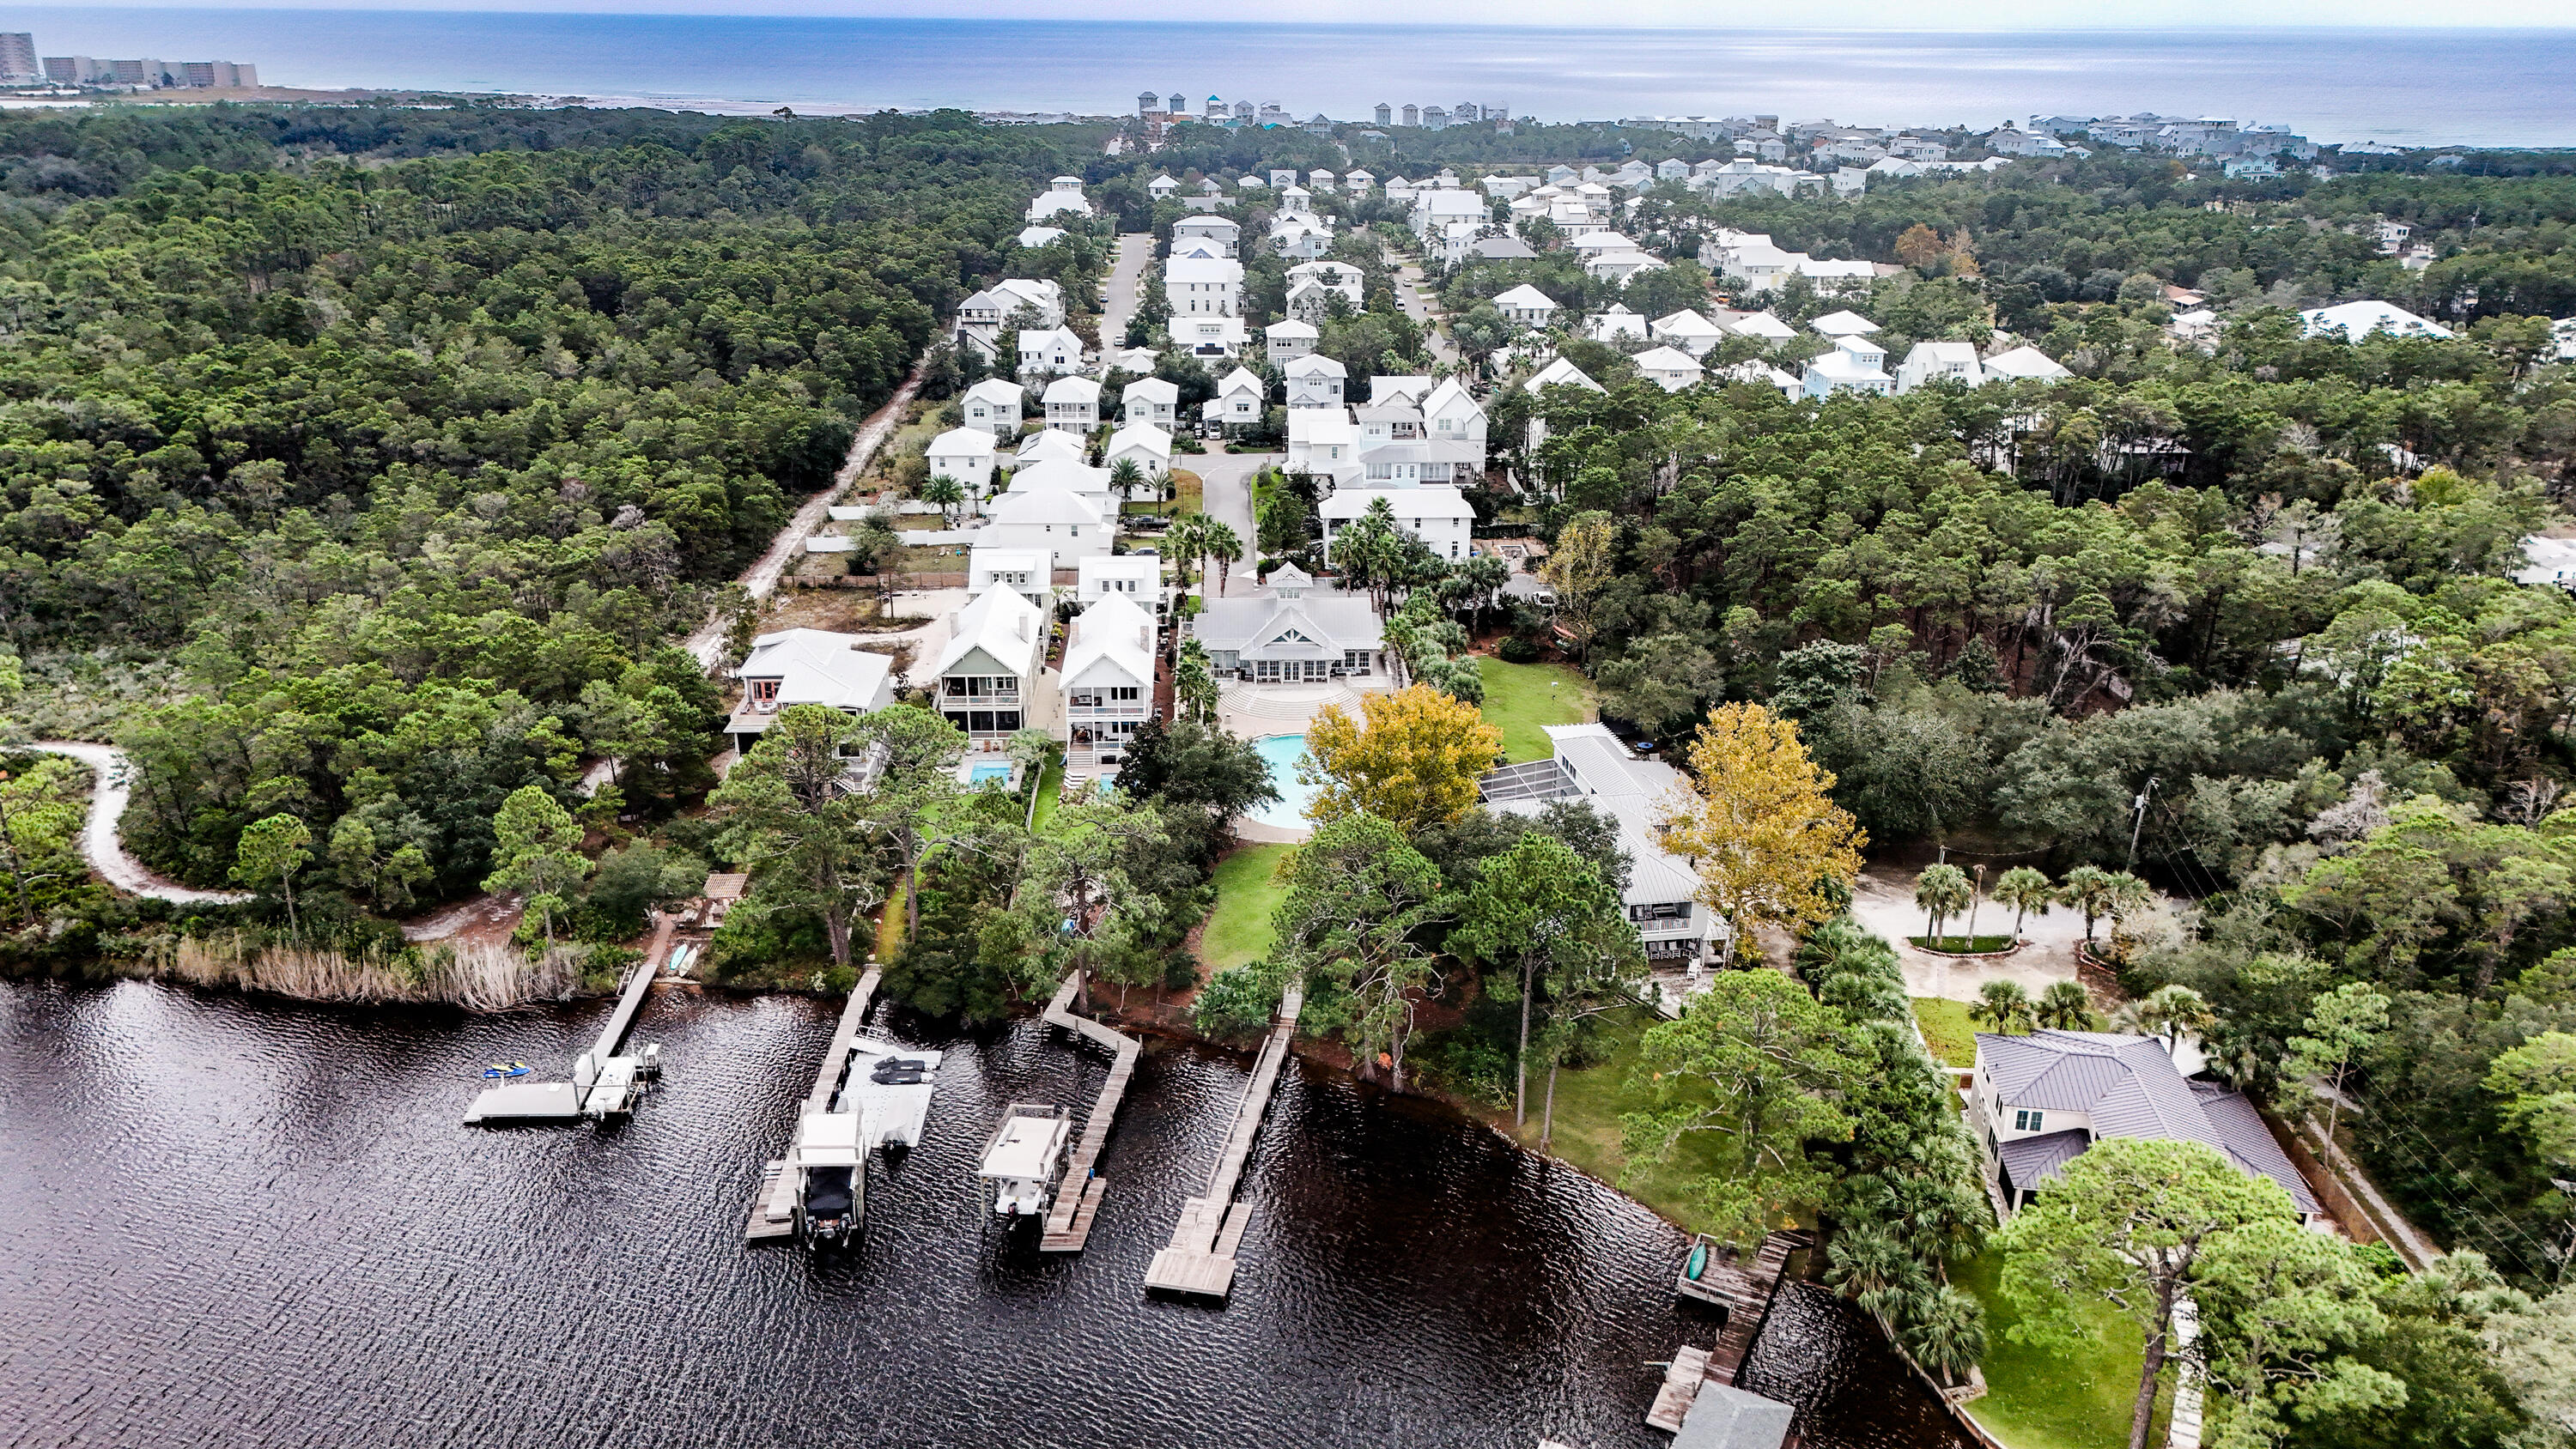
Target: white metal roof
[816, 666]
[976, 442]
[1560, 371]
[1002, 624]
[1113, 630]
[1843, 324]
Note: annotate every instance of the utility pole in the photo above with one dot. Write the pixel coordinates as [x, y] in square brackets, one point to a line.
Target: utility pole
[2140, 824]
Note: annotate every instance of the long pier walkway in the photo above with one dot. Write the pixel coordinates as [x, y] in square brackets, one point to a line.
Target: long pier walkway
[1077, 1199]
[1201, 1258]
[773, 1203]
[1745, 1292]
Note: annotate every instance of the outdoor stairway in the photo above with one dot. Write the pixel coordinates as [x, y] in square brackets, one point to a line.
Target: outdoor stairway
[1077, 1198]
[1201, 1257]
[1293, 703]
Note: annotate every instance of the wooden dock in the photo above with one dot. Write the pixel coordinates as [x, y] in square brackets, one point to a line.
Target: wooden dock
[773, 1202]
[567, 1101]
[1201, 1258]
[1744, 1291]
[1077, 1198]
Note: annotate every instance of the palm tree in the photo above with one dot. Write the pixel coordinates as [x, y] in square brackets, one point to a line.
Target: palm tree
[1187, 543]
[1948, 1333]
[1225, 547]
[2002, 1007]
[2088, 889]
[1125, 477]
[948, 493]
[2124, 896]
[2065, 1006]
[2027, 892]
[1867, 1265]
[2170, 1014]
[1940, 890]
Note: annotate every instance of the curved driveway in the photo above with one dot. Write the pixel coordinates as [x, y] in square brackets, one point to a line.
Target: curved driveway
[100, 844]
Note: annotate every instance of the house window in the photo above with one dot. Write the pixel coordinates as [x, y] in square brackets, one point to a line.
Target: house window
[2025, 1121]
[1356, 661]
[764, 694]
[1127, 693]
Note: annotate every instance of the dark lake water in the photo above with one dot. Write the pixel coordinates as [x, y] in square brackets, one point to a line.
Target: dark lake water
[229, 1222]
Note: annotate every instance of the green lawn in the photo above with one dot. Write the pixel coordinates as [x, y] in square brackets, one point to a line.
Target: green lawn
[1050, 793]
[1521, 698]
[1238, 930]
[890, 924]
[2037, 1400]
[1953, 1037]
[1587, 1134]
[1961, 945]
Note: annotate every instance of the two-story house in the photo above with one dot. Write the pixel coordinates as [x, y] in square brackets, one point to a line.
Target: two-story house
[1590, 765]
[965, 454]
[1669, 368]
[1315, 381]
[1438, 516]
[1930, 362]
[991, 680]
[1313, 285]
[806, 666]
[1323, 442]
[1209, 339]
[1451, 414]
[1526, 306]
[1203, 286]
[994, 405]
[1238, 402]
[1151, 400]
[1028, 572]
[1108, 680]
[1148, 447]
[1287, 341]
[1224, 233]
[1073, 405]
[1049, 352]
[1063, 524]
[1838, 371]
[1135, 577]
[2039, 1101]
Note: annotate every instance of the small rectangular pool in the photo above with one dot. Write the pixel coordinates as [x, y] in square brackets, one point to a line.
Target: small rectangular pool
[981, 774]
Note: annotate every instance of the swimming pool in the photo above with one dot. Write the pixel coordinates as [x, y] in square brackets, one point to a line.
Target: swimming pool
[1280, 753]
[980, 775]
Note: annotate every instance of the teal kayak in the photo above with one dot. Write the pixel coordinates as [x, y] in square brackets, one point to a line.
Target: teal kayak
[1698, 1263]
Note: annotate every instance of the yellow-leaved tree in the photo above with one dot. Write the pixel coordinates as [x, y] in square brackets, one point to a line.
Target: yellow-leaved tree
[1411, 759]
[1769, 844]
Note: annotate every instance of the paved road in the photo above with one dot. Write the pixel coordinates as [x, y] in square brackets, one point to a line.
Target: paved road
[1126, 274]
[1413, 294]
[104, 848]
[1228, 500]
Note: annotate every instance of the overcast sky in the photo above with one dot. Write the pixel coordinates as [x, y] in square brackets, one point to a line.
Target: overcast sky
[1987, 15]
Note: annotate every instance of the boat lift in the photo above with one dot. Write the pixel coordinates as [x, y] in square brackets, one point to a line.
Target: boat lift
[604, 1083]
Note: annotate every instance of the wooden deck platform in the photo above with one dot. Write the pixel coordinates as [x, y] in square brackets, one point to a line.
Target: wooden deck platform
[773, 1202]
[1077, 1198]
[1745, 1291]
[1201, 1257]
[1689, 1369]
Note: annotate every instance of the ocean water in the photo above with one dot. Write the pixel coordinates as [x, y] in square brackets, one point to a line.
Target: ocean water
[2414, 87]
